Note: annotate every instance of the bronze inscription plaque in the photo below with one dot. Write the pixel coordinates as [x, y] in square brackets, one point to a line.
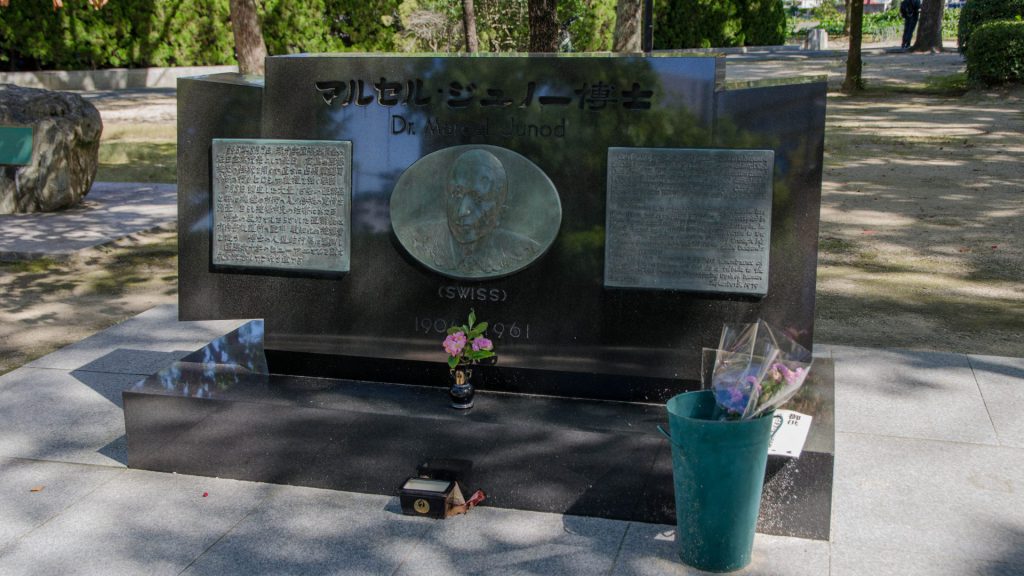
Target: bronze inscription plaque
[691, 220]
[282, 204]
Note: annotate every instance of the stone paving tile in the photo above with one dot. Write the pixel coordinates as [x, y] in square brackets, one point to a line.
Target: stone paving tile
[34, 492]
[907, 562]
[1001, 381]
[920, 504]
[512, 542]
[909, 394]
[62, 416]
[650, 550]
[143, 345]
[311, 531]
[137, 523]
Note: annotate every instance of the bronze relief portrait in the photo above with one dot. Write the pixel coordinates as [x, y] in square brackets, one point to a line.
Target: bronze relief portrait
[475, 212]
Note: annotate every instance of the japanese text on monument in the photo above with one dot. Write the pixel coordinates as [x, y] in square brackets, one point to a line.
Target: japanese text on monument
[697, 220]
[281, 204]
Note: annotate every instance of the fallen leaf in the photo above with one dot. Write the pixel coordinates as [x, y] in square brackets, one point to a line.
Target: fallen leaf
[36, 489]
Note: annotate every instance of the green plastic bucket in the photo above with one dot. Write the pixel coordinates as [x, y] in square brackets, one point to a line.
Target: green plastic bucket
[718, 469]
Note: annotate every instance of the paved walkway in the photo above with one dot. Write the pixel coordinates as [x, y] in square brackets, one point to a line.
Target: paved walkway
[929, 481]
[110, 211]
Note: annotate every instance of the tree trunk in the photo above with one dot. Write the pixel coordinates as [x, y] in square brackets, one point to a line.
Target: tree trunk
[846, 19]
[543, 15]
[469, 23]
[854, 66]
[250, 50]
[628, 24]
[929, 30]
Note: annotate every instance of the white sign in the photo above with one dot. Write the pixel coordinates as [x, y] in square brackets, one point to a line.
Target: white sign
[789, 432]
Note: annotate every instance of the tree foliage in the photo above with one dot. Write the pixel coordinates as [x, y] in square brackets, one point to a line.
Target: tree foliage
[138, 33]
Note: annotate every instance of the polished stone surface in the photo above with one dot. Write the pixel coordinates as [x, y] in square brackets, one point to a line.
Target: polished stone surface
[222, 411]
[554, 323]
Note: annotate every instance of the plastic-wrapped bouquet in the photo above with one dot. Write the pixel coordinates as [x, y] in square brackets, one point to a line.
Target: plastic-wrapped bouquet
[756, 370]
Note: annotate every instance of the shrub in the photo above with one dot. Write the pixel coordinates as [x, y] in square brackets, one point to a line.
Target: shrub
[996, 53]
[977, 12]
[764, 22]
[697, 24]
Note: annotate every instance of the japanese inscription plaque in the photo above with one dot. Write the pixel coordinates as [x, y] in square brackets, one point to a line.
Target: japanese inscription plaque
[282, 204]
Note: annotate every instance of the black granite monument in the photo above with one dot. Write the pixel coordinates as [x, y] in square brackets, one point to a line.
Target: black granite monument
[605, 214]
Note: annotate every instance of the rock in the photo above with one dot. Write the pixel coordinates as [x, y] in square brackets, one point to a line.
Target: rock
[65, 149]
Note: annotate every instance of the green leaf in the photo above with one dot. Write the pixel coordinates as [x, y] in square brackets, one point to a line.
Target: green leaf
[452, 362]
[482, 327]
[455, 329]
[472, 318]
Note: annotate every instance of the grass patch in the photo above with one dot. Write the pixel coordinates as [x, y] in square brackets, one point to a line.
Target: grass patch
[139, 152]
[34, 266]
[836, 246]
[952, 84]
[153, 162]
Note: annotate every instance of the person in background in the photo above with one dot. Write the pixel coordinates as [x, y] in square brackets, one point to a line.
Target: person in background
[910, 11]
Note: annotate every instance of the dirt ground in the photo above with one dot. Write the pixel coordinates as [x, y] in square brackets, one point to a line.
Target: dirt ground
[921, 243]
[922, 214]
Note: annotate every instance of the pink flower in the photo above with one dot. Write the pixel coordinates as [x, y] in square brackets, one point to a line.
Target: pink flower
[792, 376]
[481, 343]
[454, 343]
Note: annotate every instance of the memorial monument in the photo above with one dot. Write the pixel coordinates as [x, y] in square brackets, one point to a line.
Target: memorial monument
[605, 214]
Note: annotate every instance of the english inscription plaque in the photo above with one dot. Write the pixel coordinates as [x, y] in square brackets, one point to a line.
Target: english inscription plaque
[282, 204]
[694, 220]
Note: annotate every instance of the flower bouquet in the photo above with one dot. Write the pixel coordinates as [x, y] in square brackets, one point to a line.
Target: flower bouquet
[466, 345]
[756, 370]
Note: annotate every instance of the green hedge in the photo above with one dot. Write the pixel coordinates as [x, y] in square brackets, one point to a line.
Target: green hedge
[718, 23]
[996, 53]
[140, 33]
[764, 22]
[697, 24]
[978, 12]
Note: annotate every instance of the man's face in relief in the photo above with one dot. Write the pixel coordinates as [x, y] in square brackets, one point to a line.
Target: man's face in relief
[477, 187]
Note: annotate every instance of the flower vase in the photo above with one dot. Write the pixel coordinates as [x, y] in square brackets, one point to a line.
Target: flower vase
[461, 391]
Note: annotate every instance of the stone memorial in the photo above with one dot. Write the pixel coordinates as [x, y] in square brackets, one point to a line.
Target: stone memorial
[64, 152]
[605, 214]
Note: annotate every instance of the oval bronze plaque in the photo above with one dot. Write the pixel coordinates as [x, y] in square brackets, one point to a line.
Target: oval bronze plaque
[475, 212]
[421, 506]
